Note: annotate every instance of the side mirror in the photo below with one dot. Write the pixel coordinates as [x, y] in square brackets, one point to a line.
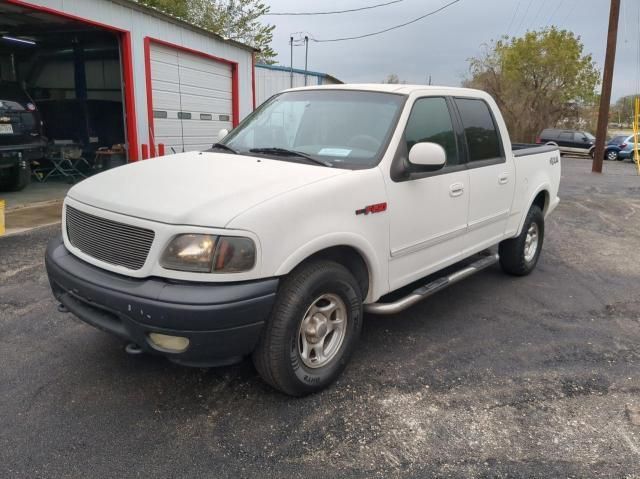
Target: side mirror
[427, 157]
[222, 133]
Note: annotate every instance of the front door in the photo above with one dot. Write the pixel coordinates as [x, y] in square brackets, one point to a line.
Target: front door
[428, 212]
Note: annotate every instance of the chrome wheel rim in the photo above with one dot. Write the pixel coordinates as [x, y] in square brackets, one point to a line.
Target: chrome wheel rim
[531, 242]
[612, 155]
[322, 331]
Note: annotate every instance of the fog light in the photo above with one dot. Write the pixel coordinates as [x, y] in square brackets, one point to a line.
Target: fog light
[172, 344]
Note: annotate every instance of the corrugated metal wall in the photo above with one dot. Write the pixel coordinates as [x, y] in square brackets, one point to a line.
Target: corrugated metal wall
[270, 81]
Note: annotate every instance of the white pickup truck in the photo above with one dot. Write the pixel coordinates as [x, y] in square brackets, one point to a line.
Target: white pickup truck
[275, 241]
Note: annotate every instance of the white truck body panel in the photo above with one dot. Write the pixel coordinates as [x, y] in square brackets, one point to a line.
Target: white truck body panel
[293, 210]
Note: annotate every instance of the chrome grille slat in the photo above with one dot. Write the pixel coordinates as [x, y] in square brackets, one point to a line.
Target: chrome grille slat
[113, 238]
[105, 227]
[123, 227]
[107, 240]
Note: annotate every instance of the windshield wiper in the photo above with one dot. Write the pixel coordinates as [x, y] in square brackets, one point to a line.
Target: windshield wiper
[222, 146]
[290, 153]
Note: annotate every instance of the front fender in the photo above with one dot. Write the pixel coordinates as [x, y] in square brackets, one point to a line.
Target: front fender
[375, 265]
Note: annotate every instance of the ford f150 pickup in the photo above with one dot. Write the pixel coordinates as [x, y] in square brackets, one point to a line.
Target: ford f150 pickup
[323, 204]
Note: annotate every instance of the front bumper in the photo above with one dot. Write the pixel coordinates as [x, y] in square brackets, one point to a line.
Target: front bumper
[221, 321]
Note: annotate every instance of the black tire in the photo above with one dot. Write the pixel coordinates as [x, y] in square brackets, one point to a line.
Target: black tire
[592, 153]
[513, 258]
[611, 155]
[277, 357]
[16, 179]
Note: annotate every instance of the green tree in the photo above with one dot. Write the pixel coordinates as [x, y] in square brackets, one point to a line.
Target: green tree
[233, 19]
[392, 78]
[623, 110]
[538, 80]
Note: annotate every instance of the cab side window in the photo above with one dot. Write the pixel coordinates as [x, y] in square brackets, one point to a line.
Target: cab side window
[565, 136]
[480, 130]
[430, 121]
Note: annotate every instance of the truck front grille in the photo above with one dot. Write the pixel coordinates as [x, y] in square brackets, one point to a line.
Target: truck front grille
[109, 241]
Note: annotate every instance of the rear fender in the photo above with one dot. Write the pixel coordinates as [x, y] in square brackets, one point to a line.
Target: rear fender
[546, 187]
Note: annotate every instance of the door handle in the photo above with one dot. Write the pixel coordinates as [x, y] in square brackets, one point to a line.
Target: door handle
[503, 179]
[456, 189]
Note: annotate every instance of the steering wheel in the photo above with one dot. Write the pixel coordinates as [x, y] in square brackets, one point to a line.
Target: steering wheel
[365, 142]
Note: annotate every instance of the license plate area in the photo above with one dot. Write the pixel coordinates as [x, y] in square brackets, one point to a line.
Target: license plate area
[6, 129]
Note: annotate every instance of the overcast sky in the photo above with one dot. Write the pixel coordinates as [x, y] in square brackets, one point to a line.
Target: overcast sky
[440, 45]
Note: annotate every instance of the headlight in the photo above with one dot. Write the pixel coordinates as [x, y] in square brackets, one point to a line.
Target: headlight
[207, 253]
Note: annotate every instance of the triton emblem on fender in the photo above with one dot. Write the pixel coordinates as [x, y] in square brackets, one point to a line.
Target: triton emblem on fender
[377, 208]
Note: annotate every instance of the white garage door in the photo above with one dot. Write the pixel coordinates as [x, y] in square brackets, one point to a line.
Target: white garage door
[192, 99]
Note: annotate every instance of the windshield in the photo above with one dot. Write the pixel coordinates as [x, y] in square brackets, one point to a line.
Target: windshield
[345, 129]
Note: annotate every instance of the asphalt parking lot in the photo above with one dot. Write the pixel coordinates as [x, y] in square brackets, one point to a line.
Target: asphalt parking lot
[496, 376]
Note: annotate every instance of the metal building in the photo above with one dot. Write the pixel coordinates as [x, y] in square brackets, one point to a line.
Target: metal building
[138, 76]
[272, 79]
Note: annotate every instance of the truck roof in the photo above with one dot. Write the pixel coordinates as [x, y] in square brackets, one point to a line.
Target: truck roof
[390, 88]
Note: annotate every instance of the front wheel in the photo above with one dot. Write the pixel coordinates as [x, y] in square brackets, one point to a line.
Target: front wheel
[519, 255]
[313, 329]
[612, 155]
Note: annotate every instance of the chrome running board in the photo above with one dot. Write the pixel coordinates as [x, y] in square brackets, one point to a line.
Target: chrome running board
[430, 288]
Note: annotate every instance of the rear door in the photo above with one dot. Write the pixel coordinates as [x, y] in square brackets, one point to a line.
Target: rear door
[565, 142]
[192, 98]
[491, 175]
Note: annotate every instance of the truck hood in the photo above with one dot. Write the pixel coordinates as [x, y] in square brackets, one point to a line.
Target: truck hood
[198, 189]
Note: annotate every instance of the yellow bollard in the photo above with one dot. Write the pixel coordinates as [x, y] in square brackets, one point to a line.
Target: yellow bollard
[1, 217]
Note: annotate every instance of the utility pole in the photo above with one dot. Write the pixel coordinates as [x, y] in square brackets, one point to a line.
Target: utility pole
[607, 80]
[291, 63]
[306, 57]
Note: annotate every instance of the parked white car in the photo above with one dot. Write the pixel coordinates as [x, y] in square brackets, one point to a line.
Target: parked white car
[309, 213]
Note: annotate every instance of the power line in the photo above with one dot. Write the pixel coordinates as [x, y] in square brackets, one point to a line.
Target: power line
[387, 29]
[515, 14]
[535, 18]
[555, 11]
[370, 7]
[524, 17]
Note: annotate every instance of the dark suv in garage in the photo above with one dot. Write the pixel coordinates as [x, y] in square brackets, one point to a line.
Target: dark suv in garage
[20, 136]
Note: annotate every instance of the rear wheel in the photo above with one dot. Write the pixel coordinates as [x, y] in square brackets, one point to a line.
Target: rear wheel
[519, 256]
[313, 329]
[16, 178]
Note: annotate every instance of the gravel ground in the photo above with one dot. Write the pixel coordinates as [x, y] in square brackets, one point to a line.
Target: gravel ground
[496, 376]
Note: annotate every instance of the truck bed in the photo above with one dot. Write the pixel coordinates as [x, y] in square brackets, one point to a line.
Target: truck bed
[524, 149]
